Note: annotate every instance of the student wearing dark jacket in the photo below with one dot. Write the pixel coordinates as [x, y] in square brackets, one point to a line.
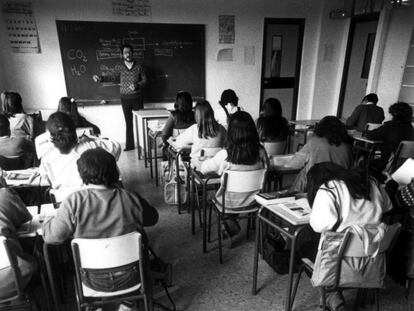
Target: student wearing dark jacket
[366, 112]
[393, 132]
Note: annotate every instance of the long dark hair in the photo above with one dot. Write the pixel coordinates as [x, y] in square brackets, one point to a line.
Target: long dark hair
[206, 123]
[12, 104]
[184, 108]
[333, 130]
[68, 105]
[357, 180]
[242, 139]
[271, 124]
[62, 132]
[401, 112]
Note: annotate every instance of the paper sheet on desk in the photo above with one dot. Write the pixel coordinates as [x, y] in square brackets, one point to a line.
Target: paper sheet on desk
[20, 177]
[405, 173]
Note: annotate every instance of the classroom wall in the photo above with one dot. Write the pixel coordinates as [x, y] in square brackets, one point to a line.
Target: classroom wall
[39, 77]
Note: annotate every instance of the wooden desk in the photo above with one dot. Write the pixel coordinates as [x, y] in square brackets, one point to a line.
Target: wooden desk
[290, 228]
[367, 147]
[141, 121]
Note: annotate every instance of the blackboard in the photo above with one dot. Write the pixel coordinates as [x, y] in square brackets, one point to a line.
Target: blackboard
[173, 56]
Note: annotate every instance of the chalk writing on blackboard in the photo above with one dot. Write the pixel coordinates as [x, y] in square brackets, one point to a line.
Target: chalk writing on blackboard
[163, 52]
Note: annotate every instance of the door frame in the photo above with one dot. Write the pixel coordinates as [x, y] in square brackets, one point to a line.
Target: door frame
[283, 21]
[354, 21]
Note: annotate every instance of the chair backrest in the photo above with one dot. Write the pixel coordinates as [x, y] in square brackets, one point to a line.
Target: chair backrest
[275, 148]
[11, 163]
[244, 181]
[404, 151]
[108, 252]
[355, 246]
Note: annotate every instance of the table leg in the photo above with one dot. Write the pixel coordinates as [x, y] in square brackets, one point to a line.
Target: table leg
[150, 156]
[137, 135]
[50, 276]
[156, 159]
[204, 218]
[256, 255]
[192, 200]
[144, 137]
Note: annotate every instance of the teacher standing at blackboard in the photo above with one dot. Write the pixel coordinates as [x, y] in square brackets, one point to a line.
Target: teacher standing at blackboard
[132, 81]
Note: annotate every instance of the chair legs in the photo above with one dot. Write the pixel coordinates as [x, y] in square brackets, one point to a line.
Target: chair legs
[219, 237]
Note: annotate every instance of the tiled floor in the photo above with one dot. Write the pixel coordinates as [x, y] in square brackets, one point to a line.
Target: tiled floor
[205, 285]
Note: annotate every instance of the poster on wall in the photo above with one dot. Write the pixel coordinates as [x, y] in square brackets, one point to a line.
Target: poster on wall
[226, 29]
[21, 26]
[131, 7]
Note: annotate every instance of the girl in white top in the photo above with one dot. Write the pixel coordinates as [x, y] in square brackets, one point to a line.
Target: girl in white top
[59, 155]
[229, 104]
[342, 198]
[243, 153]
[21, 124]
[206, 133]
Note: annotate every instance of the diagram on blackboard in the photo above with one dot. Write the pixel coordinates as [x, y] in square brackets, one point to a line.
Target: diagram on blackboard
[173, 56]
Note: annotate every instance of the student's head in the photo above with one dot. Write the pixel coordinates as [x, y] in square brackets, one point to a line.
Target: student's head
[12, 103]
[228, 97]
[184, 107]
[68, 105]
[272, 108]
[206, 123]
[333, 130]
[401, 112]
[4, 125]
[357, 180]
[127, 52]
[62, 131]
[98, 167]
[242, 139]
[370, 98]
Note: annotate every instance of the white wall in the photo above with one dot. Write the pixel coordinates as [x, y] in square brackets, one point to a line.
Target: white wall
[394, 56]
[39, 77]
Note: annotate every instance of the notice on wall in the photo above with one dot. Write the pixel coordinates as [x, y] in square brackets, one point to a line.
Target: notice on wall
[225, 55]
[131, 7]
[21, 26]
[226, 29]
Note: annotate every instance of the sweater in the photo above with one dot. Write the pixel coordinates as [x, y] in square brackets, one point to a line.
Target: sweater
[20, 147]
[21, 125]
[334, 203]
[363, 114]
[132, 81]
[96, 213]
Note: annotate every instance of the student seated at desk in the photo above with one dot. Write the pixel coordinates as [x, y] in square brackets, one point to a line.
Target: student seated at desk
[229, 104]
[206, 133]
[392, 133]
[16, 146]
[366, 112]
[181, 118]
[69, 106]
[341, 198]
[21, 124]
[101, 210]
[330, 143]
[58, 162]
[13, 214]
[271, 126]
[243, 152]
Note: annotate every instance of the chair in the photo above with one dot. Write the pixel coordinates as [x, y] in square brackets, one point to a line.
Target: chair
[20, 300]
[109, 253]
[404, 151]
[243, 183]
[352, 247]
[275, 148]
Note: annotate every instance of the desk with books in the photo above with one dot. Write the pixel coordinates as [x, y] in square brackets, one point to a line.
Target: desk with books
[292, 217]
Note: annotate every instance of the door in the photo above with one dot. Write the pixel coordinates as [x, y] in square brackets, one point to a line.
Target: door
[357, 63]
[282, 53]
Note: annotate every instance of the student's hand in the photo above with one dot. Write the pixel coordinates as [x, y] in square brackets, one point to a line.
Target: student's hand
[96, 78]
[132, 87]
